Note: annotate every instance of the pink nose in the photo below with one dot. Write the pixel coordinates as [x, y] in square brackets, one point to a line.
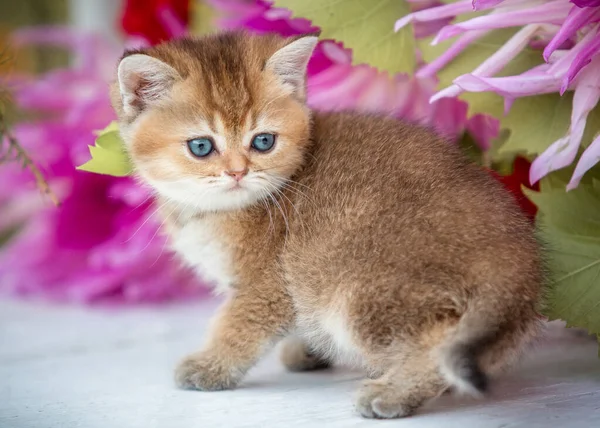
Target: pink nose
[237, 175]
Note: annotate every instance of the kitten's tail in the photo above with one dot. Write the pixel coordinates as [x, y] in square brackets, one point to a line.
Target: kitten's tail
[459, 364]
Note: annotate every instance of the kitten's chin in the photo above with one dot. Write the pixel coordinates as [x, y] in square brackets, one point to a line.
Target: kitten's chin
[229, 198]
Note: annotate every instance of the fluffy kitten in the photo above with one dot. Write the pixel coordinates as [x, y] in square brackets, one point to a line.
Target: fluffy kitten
[359, 237]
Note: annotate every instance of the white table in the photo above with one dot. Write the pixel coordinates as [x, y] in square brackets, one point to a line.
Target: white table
[67, 367]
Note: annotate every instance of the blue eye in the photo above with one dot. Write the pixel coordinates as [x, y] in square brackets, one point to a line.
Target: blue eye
[200, 147]
[263, 142]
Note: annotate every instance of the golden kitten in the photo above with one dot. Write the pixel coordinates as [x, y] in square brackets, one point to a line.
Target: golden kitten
[358, 237]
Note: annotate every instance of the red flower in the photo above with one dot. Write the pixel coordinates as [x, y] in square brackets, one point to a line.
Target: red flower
[155, 20]
[513, 182]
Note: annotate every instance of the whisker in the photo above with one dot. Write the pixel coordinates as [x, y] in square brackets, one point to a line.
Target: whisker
[146, 221]
[289, 187]
[289, 180]
[141, 203]
[159, 228]
[298, 216]
[263, 194]
[287, 226]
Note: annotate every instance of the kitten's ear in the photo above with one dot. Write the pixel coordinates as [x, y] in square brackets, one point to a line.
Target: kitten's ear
[143, 80]
[289, 64]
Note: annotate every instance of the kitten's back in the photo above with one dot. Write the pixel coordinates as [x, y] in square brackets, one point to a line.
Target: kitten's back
[398, 219]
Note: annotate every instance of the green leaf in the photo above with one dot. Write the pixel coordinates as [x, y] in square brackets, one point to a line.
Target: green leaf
[202, 18]
[470, 148]
[108, 155]
[365, 27]
[534, 122]
[570, 225]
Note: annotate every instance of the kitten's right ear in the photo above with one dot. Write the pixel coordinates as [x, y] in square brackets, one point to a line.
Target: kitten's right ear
[143, 80]
[289, 64]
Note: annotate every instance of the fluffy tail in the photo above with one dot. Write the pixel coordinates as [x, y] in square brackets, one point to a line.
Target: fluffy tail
[459, 363]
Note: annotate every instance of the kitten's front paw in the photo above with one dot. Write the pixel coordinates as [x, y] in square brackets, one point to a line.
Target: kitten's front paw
[381, 400]
[205, 373]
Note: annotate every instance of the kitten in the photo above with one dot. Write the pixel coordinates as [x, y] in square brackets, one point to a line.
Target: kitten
[359, 237]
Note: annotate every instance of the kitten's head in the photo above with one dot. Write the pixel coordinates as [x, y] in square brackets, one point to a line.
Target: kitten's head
[216, 123]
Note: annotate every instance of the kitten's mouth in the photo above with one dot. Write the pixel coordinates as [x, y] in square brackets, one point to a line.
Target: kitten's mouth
[235, 187]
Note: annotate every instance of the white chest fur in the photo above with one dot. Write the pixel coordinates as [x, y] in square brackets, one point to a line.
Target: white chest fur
[200, 246]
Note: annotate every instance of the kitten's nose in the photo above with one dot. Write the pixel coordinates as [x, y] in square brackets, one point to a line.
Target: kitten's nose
[237, 175]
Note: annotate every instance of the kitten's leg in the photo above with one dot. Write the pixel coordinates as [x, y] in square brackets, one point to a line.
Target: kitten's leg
[248, 325]
[402, 389]
[296, 356]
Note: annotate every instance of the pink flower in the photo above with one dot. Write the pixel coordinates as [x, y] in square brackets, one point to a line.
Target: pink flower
[102, 244]
[572, 34]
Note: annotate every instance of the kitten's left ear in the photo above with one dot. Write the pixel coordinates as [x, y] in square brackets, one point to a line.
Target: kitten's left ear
[289, 64]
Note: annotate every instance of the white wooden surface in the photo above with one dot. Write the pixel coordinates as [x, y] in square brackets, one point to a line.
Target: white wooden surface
[65, 367]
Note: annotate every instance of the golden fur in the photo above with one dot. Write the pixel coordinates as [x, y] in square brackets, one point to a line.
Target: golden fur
[360, 238]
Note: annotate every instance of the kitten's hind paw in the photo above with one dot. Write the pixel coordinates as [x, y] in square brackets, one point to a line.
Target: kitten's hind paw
[296, 357]
[205, 373]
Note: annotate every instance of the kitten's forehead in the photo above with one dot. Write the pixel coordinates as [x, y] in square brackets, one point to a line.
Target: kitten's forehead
[225, 71]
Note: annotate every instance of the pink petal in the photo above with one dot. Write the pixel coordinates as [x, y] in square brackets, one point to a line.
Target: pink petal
[485, 4]
[576, 19]
[336, 52]
[589, 158]
[586, 3]
[378, 96]
[484, 128]
[564, 60]
[412, 97]
[507, 52]
[540, 70]
[562, 153]
[435, 13]
[583, 58]
[326, 54]
[449, 54]
[547, 13]
[449, 117]
[425, 29]
[237, 7]
[339, 88]
[513, 86]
